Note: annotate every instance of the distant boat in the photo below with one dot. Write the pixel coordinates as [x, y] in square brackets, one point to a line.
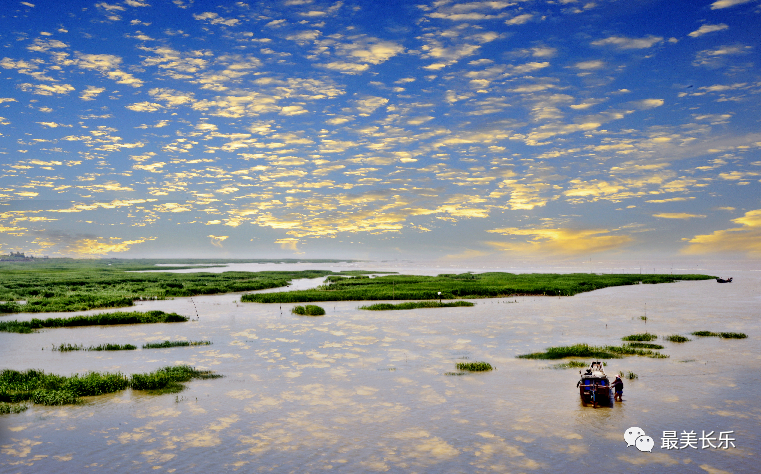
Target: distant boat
[594, 386]
[721, 280]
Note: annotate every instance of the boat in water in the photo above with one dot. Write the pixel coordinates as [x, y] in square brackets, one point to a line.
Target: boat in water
[721, 280]
[594, 386]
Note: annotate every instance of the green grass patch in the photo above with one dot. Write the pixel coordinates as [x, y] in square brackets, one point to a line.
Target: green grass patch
[169, 344]
[725, 335]
[415, 305]
[55, 285]
[66, 347]
[646, 337]
[629, 375]
[644, 345]
[308, 310]
[48, 389]
[461, 286]
[168, 379]
[474, 366]
[112, 347]
[573, 364]
[8, 408]
[104, 319]
[596, 352]
[676, 338]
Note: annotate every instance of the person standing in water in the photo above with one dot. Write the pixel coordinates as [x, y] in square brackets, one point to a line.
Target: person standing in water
[618, 386]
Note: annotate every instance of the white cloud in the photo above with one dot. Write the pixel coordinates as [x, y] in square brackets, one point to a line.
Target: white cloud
[708, 29]
[215, 19]
[719, 4]
[589, 65]
[144, 107]
[622, 42]
[108, 65]
[713, 58]
[45, 89]
[109, 7]
[520, 19]
[91, 92]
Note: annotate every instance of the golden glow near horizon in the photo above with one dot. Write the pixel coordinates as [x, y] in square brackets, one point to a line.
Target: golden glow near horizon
[380, 129]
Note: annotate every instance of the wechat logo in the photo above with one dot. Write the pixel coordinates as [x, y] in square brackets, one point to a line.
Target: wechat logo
[635, 436]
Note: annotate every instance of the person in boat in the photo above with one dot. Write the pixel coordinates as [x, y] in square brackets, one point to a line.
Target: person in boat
[618, 386]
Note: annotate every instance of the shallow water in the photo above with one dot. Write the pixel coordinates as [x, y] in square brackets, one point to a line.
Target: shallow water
[366, 391]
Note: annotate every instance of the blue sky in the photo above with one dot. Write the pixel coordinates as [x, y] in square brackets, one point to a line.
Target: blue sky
[450, 130]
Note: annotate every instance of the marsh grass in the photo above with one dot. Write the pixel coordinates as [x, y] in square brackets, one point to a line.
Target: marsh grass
[103, 319]
[49, 389]
[455, 373]
[473, 366]
[462, 286]
[676, 338]
[725, 335]
[587, 351]
[168, 379]
[308, 310]
[629, 375]
[572, 364]
[112, 347]
[56, 285]
[9, 408]
[644, 345]
[645, 337]
[415, 305]
[168, 344]
[66, 347]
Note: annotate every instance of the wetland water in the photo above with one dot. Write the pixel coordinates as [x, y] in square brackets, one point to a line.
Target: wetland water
[363, 391]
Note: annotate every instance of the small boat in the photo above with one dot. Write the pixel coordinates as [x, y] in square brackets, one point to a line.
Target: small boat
[721, 280]
[594, 386]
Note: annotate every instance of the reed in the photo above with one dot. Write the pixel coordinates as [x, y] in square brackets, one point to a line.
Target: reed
[572, 364]
[676, 338]
[414, 305]
[103, 319]
[57, 285]
[462, 286]
[9, 408]
[95, 383]
[308, 310]
[112, 347]
[646, 337]
[168, 379]
[49, 389]
[587, 351]
[66, 347]
[725, 335]
[54, 397]
[474, 366]
[629, 375]
[644, 345]
[169, 344]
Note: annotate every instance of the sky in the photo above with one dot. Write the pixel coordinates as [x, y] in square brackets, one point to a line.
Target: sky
[448, 130]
